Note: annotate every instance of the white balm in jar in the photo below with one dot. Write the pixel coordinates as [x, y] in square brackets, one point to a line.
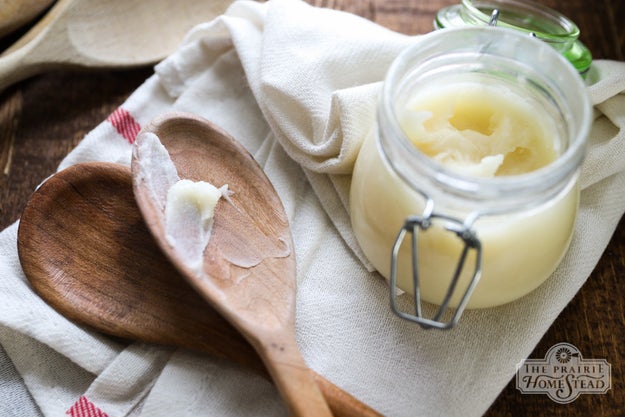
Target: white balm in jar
[481, 133]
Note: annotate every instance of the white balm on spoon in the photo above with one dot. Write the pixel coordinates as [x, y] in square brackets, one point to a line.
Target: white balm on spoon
[188, 206]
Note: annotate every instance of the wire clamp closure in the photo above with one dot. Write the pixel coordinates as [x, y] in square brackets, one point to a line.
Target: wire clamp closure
[463, 230]
[494, 19]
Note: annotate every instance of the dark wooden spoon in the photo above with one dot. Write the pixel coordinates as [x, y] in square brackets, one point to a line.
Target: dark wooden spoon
[86, 250]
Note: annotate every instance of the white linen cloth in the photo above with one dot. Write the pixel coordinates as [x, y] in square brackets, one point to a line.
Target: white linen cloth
[297, 86]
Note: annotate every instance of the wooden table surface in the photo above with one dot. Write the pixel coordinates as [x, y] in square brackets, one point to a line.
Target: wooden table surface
[43, 118]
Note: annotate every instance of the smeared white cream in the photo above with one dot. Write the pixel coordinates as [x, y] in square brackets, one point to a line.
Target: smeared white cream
[188, 206]
[189, 216]
[156, 169]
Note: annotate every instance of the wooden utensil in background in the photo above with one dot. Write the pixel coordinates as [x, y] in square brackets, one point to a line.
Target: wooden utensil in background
[15, 14]
[111, 33]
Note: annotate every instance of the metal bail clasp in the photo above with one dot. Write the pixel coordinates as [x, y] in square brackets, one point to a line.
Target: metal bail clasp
[414, 225]
[494, 20]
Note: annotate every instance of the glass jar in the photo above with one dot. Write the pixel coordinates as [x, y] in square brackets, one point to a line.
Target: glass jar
[476, 241]
[525, 16]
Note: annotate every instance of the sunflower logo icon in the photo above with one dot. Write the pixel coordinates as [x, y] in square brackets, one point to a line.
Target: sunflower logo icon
[564, 355]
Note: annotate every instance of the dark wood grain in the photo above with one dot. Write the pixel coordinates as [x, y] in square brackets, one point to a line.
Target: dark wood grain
[44, 118]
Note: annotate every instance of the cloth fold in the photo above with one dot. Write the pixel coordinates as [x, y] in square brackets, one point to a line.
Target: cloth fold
[297, 86]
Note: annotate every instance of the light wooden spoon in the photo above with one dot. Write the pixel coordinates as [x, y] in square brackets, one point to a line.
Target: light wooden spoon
[14, 14]
[249, 272]
[86, 250]
[111, 33]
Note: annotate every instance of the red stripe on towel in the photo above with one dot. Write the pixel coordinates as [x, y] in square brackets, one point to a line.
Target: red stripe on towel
[125, 124]
[85, 408]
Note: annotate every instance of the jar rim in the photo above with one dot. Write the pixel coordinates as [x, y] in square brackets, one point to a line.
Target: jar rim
[526, 185]
[531, 9]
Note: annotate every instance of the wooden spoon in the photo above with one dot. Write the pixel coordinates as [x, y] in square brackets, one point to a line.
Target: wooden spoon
[14, 14]
[111, 33]
[249, 272]
[86, 250]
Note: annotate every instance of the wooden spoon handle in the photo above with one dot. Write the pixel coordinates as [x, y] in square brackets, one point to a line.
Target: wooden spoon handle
[292, 377]
[341, 402]
[208, 332]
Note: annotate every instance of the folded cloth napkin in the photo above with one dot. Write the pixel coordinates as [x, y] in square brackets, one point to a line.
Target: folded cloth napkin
[297, 85]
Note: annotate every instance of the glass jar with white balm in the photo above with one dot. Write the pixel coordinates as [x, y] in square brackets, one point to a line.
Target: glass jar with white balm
[467, 194]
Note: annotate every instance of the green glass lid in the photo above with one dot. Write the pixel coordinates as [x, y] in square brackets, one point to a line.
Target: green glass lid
[533, 18]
